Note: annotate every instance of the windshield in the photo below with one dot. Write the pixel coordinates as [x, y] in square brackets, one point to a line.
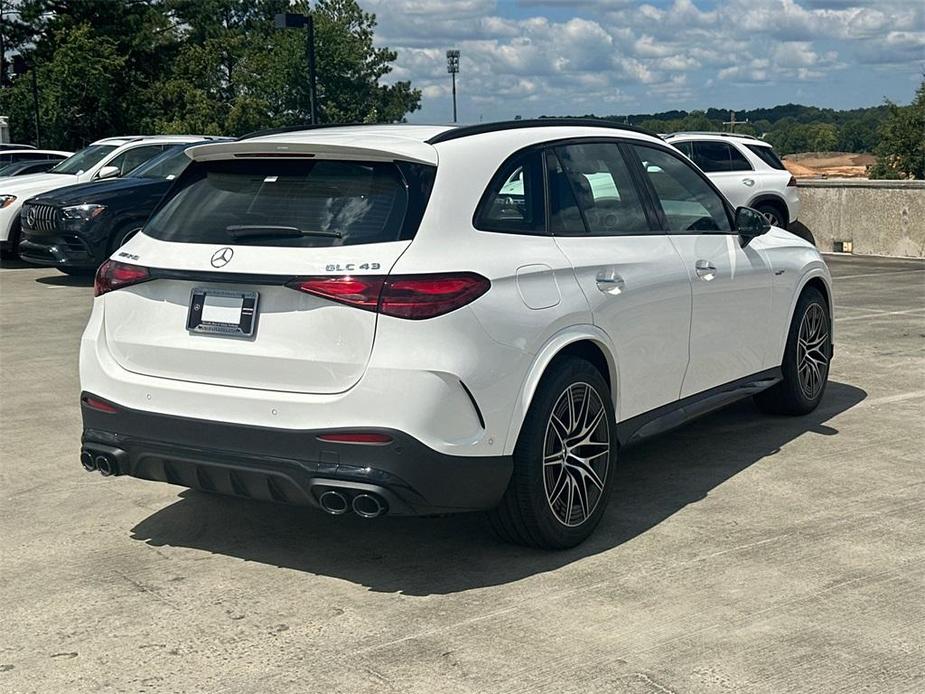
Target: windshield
[84, 159]
[300, 203]
[167, 165]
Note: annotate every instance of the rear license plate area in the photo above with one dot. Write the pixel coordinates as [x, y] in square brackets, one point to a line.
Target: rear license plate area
[222, 312]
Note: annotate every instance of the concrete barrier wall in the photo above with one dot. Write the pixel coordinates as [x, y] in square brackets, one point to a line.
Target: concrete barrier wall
[878, 217]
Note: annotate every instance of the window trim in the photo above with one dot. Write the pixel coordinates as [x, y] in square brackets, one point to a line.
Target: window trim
[653, 195]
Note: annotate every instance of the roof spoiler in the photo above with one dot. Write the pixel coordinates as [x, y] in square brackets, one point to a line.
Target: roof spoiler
[384, 149]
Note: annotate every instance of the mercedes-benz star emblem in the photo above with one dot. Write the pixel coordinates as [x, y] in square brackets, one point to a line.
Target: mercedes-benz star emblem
[222, 256]
[30, 217]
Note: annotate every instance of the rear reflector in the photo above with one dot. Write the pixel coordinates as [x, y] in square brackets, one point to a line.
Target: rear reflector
[114, 275]
[368, 438]
[98, 405]
[403, 296]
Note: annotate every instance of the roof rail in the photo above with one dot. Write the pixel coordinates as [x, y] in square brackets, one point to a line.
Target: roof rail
[292, 129]
[710, 132]
[469, 130]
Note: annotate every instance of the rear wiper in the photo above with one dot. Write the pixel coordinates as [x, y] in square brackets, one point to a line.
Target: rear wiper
[242, 230]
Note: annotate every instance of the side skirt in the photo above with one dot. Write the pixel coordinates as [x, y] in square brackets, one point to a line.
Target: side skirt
[675, 414]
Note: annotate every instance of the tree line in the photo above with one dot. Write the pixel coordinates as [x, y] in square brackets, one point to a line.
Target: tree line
[220, 67]
[896, 134]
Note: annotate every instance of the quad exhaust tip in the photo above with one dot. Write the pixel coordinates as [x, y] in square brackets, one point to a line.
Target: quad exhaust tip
[87, 461]
[334, 502]
[107, 464]
[367, 506]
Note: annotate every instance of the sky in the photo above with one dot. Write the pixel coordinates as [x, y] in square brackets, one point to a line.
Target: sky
[614, 57]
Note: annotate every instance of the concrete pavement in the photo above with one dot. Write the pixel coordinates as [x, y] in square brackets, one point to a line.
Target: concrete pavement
[742, 553]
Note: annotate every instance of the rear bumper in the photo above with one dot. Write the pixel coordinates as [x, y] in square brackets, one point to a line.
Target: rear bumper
[292, 466]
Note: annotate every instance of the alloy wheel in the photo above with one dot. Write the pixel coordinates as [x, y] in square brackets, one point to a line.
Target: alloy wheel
[772, 217]
[812, 351]
[576, 454]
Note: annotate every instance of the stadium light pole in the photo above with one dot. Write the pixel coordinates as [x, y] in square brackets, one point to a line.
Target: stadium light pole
[290, 20]
[452, 66]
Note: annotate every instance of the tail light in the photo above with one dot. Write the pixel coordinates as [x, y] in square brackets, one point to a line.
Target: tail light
[114, 275]
[792, 181]
[403, 296]
[99, 405]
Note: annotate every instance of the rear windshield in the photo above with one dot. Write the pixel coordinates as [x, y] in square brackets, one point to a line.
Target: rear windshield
[768, 156]
[298, 203]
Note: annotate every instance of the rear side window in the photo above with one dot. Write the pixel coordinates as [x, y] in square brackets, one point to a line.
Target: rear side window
[601, 186]
[514, 201]
[768, 156]
[690, 204]
[713, 157]
[295, 203]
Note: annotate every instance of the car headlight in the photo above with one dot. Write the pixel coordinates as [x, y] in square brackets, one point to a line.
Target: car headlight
[7, 200]
[82, 213]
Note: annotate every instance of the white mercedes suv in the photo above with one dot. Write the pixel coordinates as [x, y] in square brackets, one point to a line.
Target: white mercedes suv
[414, 319]
[746, 170]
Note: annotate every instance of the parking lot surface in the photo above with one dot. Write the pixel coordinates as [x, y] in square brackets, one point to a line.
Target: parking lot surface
[742, 553]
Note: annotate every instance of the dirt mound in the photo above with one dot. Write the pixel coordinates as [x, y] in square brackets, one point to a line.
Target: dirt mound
[828, 164]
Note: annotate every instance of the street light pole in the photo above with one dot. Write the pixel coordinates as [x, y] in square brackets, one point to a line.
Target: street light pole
[452, 66]
[289, 20]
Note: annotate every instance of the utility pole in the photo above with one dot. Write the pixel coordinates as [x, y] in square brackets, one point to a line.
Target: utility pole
[452, 66]
[732, 122]
[289, 20]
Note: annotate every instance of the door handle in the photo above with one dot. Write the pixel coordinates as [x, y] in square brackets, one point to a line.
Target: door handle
[610, 283]
[748, 181]
[705, 270]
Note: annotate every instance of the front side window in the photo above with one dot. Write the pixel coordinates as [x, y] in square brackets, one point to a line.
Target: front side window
[294, 203]
[601, 186]
[689, 203]
[83, 160]
[514, 202]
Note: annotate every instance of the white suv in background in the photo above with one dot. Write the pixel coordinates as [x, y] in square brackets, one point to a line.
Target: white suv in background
[415, 319]
[108, 158]
[747, 171]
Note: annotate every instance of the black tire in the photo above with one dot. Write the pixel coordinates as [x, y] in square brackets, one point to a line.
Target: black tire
[794, 395]
[775, 213]
[525, 515]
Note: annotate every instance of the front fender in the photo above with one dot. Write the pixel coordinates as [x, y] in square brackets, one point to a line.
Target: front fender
[815, 269]
[548, 352]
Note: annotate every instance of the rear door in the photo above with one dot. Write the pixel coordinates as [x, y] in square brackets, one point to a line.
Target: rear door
[729, 332]
[634, 280]
[227, 242]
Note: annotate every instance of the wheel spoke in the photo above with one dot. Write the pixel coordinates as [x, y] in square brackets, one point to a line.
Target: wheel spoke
[577, 454]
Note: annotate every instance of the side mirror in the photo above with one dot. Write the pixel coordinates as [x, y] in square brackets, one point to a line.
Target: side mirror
[108, 172]
[750, 223]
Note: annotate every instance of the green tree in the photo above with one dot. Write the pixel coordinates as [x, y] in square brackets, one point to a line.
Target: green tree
[901, 150]
[78, 94]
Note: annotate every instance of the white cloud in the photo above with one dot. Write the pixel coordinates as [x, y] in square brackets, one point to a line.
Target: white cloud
[554, 56]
